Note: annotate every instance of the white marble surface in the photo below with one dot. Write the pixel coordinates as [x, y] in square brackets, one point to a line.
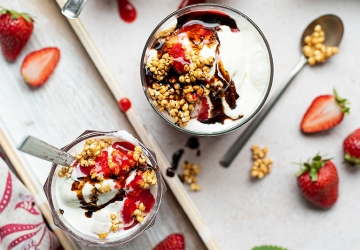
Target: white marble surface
[241, 212]
[74, 99]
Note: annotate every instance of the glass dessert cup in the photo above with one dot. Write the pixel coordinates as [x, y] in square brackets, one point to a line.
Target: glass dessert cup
[247, 103]
[126, 235]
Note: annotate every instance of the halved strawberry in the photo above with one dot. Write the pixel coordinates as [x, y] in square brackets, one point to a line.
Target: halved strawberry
[178, 54]
[39, 65]
[325, 112]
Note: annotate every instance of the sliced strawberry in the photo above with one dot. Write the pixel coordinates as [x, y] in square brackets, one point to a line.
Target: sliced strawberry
[172, 242]
[202, 110]
[39, 65]
[178, 54]
[325, 112]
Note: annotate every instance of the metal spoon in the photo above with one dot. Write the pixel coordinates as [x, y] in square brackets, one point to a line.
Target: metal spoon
[73, 8]
[40, 149]
[334, 30]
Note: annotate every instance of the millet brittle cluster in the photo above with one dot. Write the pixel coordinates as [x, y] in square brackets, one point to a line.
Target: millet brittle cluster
[149, 179]
[261, 165]
[91, 150]
[315, 50]
[189, 175]
[177, 93]
[115, 223]
[139, 212]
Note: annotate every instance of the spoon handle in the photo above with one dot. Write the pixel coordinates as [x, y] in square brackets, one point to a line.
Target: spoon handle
[40, 149]
[240, 142]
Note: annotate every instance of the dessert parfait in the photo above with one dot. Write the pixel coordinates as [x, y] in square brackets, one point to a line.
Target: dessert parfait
[110, 193]
[207, 69]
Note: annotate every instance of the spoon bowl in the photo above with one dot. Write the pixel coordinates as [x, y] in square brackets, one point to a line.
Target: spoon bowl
[331, 25]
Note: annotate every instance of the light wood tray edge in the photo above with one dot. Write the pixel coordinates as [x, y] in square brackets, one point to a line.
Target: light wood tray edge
[146, 137]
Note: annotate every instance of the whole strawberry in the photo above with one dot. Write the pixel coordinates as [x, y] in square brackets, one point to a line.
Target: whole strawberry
[15, 31]
[352, 148]
[325, 112]
[172, 242]
[318, 181]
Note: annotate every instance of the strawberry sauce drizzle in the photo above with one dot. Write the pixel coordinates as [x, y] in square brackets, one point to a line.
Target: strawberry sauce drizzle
[133, 200]
[132, 193]
[127, 11]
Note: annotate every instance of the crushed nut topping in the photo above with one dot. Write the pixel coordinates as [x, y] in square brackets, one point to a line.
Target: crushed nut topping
[103, 236]
[65, 172]
[261, 165]
[102, 189]
[315, 50]
[149, 179]
[115, 221]
[188, 175]
[91, 150]
[177, 94]
[139, 212]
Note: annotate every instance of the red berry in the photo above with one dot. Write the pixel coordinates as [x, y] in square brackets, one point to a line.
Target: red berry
[15, 31]
[39, 65]
[172, 242]
[178, 54]
[318, 181]
[325, 112]
[352, 148]
[125, 104]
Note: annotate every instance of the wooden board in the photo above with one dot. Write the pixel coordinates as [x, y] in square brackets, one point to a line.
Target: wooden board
[246, 212]
[145, 135]
[74, 99]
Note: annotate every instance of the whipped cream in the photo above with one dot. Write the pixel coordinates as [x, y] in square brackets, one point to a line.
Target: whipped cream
[100, 222]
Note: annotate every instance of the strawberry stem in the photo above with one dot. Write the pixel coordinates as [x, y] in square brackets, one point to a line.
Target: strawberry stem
[312, 167]
[342, 102]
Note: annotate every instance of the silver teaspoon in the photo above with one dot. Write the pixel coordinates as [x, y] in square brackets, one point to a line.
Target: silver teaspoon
[334, 30]
[40, 149]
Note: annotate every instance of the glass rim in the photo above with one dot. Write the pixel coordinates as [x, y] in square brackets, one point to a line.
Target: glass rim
[88, 240]
[180, 12]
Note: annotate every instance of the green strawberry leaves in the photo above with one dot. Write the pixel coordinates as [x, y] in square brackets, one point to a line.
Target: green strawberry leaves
[353, 160]
[15, 15]
[312, 167]
[268, 248]
[342, 103]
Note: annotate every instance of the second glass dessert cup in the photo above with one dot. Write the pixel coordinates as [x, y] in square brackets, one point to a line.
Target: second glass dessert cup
[127, 235]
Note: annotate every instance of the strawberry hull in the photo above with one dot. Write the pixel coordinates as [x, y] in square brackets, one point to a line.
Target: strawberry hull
[351, 147]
